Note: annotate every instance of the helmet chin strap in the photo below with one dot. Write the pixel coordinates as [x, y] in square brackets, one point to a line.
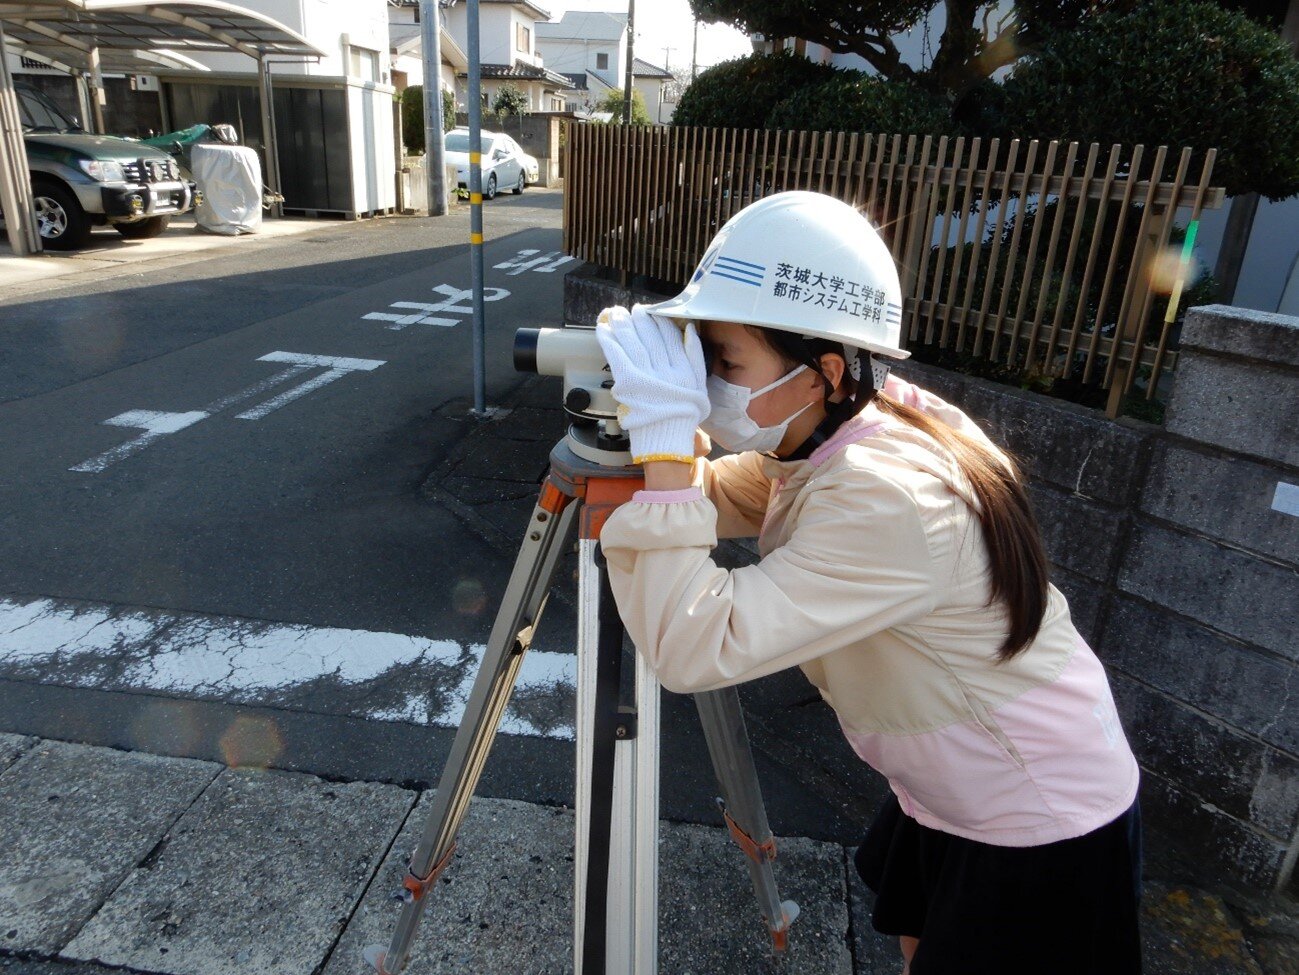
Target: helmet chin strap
[837, 414]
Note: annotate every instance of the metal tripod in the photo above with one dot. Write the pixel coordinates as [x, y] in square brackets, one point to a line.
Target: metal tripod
[616, 860]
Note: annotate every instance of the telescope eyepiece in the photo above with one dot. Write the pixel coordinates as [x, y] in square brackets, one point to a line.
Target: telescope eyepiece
[525, 349]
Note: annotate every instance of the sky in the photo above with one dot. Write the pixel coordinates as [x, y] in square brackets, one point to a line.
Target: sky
[666, 23]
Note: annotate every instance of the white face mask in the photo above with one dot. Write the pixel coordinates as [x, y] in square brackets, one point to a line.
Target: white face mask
[729, 423]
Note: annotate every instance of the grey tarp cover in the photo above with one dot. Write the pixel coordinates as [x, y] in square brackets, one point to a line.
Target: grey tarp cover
[230, 178]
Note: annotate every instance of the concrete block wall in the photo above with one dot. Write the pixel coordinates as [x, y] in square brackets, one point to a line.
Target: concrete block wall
[1178, 569]
[1184, 577]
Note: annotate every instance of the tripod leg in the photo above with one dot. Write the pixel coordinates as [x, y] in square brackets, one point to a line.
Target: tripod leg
[552, 524]
[616, 865]
[742, 807]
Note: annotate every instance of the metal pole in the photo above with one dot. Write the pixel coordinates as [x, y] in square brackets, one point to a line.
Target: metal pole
[97, 98]
[434, 159]
[631, 60]
[15, 178]
[476, 211]
[267, 99]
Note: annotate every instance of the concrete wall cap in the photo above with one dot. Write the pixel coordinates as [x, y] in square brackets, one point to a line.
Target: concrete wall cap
[1242, 332]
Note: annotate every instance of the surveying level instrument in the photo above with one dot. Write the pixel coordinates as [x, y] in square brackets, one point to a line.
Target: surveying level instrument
[615, 928]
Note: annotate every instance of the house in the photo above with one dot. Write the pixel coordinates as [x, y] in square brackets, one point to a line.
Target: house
[652, 83]
[589, 47]
[405, 48]
[507, 52]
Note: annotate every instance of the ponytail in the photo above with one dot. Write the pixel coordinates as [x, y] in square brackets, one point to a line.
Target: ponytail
[1016, 557]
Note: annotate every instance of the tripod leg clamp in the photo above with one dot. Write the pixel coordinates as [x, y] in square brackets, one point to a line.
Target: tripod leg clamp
[755, 851]
[417, 886]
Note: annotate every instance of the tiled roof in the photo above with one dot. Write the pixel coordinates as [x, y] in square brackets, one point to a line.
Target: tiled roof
[521, 71]
[643, 69]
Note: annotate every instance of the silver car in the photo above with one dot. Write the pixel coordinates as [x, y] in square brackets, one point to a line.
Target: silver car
[505, 165]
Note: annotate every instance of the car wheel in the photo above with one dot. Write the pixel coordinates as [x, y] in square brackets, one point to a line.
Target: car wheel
[143, 229]
[523, 182]
[490, 192]
[61, 222]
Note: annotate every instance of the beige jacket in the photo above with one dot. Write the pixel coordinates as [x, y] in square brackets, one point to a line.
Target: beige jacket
[874, 580]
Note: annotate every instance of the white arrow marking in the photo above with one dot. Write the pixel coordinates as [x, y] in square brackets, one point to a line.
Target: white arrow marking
[336, 368]
[269, 382]
[1286, 499]
[454, 303]
[153, 424]
[555, 259]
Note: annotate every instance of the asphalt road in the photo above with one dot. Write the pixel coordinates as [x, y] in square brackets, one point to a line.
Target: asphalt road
[217, 537]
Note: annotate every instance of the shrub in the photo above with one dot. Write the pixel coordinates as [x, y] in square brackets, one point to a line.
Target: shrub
[510, 100]
[855, 102]
[741, 93]
[412, 119]
[448, 110]
[613, 103]
[1171, 72]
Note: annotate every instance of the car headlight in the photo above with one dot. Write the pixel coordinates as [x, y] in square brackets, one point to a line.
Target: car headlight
[106, 171]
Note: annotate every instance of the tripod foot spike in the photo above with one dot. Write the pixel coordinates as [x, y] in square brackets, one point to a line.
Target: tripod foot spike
[374, 956]
[780, 933]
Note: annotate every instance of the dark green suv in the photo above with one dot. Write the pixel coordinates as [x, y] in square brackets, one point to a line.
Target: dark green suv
[80, 180]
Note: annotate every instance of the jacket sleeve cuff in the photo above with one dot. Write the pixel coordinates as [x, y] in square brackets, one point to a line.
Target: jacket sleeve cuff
[669, 497]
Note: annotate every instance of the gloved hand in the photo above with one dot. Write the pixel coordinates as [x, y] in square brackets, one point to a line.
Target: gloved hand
[660, 380]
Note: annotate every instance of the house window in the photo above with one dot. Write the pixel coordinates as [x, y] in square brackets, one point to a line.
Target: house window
[602, 62]
[523, 38]
[363, 63]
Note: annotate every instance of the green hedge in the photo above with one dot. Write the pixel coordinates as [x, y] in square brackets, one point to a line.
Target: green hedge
[742, 92]
[1176, 73]
[855, 102]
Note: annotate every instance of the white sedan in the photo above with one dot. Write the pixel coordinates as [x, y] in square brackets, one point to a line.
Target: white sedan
[505, 165]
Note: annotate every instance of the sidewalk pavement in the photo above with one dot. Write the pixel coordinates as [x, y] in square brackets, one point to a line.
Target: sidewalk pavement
[110, 254]
[152, 864]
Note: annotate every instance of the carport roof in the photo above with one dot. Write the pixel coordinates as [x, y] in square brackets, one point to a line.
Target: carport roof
[52, 29]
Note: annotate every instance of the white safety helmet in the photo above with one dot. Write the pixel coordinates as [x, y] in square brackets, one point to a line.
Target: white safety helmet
[804, 263]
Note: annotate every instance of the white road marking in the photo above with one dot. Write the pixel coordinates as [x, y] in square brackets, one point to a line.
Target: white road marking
[457, 301]
[546, 264]
[1286, 499]
[156, 424]
[220, 658]
[335, 368]
[268, 383]
[153, 424]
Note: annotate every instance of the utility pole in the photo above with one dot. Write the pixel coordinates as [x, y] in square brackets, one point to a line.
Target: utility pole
[476, 211]
[631, 60]
[434, 161]
[694, 54]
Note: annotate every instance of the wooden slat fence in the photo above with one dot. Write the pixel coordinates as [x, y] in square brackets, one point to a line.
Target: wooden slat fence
[1045, 256]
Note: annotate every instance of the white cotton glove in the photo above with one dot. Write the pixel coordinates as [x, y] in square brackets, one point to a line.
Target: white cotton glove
[659, 381]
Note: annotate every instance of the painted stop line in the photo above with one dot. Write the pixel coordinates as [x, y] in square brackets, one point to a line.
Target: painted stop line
[157, 425]
[413, 679]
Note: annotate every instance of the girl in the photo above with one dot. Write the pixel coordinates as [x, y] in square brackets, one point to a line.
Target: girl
[901, 569]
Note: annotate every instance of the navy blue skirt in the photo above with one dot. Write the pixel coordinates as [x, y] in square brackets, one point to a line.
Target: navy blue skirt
[1067, 908]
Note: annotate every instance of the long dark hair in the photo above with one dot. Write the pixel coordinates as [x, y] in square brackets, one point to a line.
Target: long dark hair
[1016, 557]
